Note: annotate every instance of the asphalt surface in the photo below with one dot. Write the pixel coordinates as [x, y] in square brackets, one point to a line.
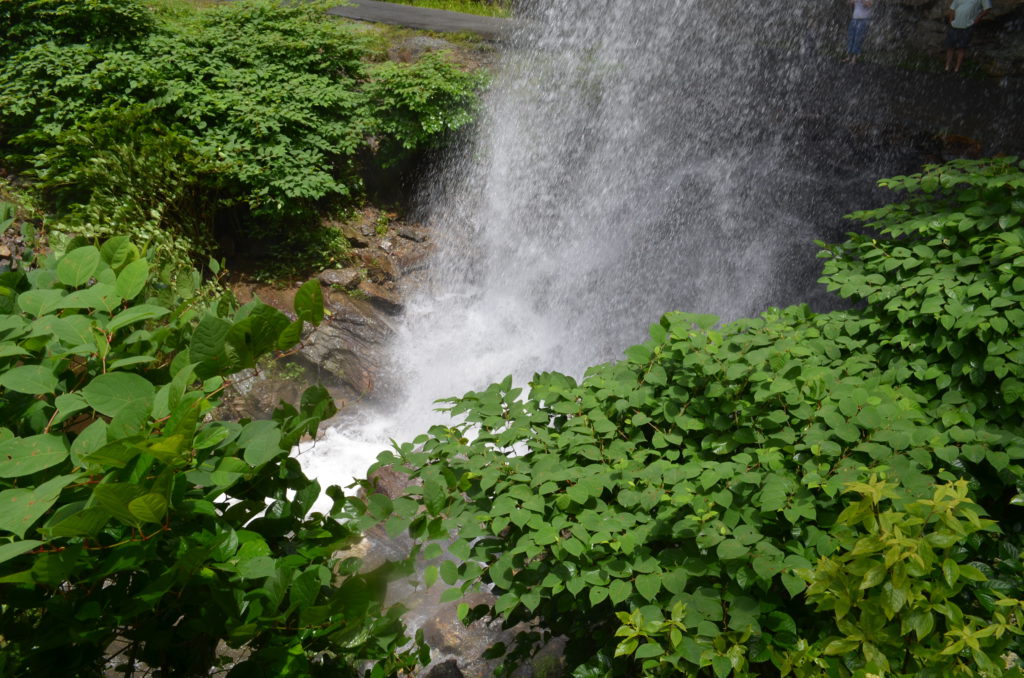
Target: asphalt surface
[492, 28]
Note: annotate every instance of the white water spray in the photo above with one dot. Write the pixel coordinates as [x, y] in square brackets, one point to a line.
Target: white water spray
[632, 158]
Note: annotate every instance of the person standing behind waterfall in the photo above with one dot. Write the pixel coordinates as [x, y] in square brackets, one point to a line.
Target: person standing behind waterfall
[962, 16]
[858, 28]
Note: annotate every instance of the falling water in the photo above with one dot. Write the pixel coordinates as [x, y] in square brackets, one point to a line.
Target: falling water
[632, 158]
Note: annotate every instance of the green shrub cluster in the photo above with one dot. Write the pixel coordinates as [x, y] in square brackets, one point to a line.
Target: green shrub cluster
[140, 532]
[797, 494]
[154, 121]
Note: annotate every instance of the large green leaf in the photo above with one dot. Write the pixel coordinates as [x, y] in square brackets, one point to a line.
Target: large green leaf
[118, 251]
[25, 456]
[101, 296]
[136, 314]
[149, 508]
[23, 507]
[40, 301]
[116, 499]
[16, 548]
[116, 392]
[132, 279]
[31, 379]
[208, 347]
[77, 266]
[309, 302]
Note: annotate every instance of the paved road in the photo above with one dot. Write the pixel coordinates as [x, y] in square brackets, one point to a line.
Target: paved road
[422, 18]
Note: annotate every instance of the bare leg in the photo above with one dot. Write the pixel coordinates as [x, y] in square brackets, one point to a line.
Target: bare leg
[949, 59]
[960, 54]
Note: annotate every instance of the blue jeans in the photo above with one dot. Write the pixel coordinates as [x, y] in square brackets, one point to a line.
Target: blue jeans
[855, 35]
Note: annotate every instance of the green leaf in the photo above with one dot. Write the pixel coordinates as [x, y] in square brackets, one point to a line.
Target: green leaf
[118, 251]
[1013, 390]
[873, 577]
[40, 302]
[135, 314]
[100, 296]
[449, 572]
[619, 590]
[132, 279]
[208, 347]
[722, 666]
[309, 302]
[115, 498]
[116, 392]
[289, 336]
[77, 266]
[648, 585]
[30, 379]
[261, 441]
[730, 549]
[257, 567]
[23, 507]
[16, 548]
[648, 650]
[25, 456]
[149, 508]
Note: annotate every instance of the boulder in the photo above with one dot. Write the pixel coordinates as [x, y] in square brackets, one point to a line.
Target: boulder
[342, 278]
[382, 298]
[347, 350]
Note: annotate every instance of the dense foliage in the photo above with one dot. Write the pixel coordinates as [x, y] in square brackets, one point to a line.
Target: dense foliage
[798, 494]
[137, 529]
[161, 122]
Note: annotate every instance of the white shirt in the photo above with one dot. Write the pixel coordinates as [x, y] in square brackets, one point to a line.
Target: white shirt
[965, 12]
[861, 10]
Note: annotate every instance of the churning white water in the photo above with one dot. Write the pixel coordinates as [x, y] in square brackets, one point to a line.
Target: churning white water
[632, 158]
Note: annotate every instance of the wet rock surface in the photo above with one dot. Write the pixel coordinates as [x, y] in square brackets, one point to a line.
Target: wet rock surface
[362, 302]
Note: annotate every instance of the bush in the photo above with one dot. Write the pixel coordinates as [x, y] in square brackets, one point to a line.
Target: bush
[799, 494]
[139, 530]
[256, 105]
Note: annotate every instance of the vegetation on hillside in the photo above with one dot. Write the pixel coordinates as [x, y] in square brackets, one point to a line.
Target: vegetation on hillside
[796, 494]
[183, 127]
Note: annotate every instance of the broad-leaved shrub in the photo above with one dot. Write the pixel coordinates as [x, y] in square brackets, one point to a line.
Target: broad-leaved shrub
[693, 510]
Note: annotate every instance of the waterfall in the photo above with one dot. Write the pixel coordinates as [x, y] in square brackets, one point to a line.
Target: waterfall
[632, 158]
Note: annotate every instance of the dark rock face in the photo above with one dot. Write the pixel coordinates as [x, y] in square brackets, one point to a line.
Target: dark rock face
[346, 351]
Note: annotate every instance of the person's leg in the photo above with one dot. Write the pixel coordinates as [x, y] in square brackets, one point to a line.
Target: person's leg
[862, 32]
[960, 54]
[949, 58]
[851, 35]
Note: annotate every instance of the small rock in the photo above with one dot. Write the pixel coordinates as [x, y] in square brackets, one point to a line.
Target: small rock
[378, 264]
[344, 278]
[410, 232]
[5, 251]
[380, 297]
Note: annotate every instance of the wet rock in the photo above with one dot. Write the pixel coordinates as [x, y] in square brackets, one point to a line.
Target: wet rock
[449, 638]
[256, 394]
[412, 232]
[391, 482]
[410, 256]
[343, 278]
[448, 669]
[384, 299]
[379, 266]
[347, 350]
